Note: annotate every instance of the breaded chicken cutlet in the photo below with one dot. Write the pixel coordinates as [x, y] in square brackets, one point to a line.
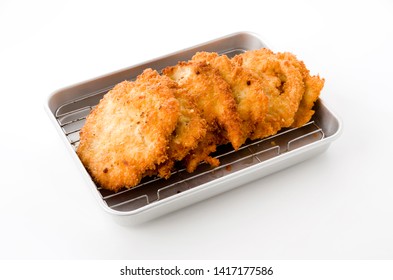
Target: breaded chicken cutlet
[128, 133]
[213, 97]
[191, 128]
[291, 90]
[282, 83]
[312, 88]
[247, 90]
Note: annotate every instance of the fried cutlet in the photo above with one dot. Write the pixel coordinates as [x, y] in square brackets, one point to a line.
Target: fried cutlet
[283, 85]
[247, 90]
[190, 130]
[213, 97]
[313, 87]
[128, 133]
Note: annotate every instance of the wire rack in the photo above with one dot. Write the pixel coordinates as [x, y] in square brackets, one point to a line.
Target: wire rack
[72, 116]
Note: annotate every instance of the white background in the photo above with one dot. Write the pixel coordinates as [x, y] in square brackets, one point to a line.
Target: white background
[335, 206]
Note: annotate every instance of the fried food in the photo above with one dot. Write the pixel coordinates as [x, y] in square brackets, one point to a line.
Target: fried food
[282, 83]
[190, 130]
[313, 87]
[247, 90]
[128, 133]
[146, 127]
[213, 97]
[202, 152]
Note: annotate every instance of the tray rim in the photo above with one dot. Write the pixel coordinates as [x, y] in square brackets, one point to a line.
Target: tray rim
[325, 142]
[139, 64]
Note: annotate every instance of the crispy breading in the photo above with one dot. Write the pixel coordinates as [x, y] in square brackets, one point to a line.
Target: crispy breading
[142, 128]
[282, 83]
[128, 133]
[213, 97]
[247, 90]
[190, 129]
[202, 152]
[313, 87]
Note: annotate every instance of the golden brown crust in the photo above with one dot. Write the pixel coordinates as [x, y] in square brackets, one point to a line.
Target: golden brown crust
[313, 87]
[213, 97]
[202, 152]
[283, 84]
[247, 90]
[143, 128]
[190, 129]
[128, 133]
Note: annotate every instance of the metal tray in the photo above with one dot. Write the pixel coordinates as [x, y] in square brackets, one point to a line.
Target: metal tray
[153, 197]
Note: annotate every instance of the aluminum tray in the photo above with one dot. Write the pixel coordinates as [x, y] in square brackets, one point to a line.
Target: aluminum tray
[153, 197]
